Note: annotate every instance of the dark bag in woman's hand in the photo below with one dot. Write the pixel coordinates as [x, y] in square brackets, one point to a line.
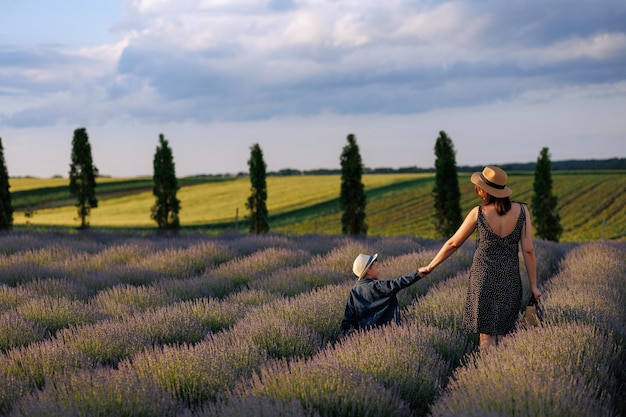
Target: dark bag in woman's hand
[533, 313]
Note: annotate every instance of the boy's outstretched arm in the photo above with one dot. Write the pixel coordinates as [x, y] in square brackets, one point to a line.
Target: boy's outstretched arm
[395, 285]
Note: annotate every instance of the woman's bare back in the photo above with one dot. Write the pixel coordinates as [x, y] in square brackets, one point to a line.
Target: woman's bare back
[501, 225]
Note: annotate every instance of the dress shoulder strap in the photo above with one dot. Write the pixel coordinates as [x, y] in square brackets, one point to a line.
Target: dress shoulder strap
[522, 213]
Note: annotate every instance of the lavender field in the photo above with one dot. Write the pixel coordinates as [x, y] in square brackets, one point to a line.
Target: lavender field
[118, 324]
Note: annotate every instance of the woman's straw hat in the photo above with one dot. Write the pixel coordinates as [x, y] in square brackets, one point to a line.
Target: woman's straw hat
[362, 263]
[492, 180]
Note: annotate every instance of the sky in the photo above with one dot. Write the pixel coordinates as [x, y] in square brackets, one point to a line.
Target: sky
[503, 79]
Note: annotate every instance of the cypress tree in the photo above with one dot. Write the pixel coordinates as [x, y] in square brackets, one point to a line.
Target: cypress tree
[83, 175]
[6, 207]
[167, 206]
[257, 201]
[546, 218]
[352, 198]
[446, 191]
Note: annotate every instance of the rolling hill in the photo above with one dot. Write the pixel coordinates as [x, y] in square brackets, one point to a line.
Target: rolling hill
[591, 203]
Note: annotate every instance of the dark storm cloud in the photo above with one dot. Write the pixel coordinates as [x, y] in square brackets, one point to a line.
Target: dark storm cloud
[535, 23]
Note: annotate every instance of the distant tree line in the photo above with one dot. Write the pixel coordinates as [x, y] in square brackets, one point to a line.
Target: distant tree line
[566, 165]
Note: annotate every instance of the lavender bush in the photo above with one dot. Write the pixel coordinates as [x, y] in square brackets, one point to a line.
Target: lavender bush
[19, 242]
[167, 325]
[321, 310]
[280, 338]
[197, 373]
[251, 297]
[414, 360]
[182, 263]
[66, 288]
[443, 307]
[12, 297]
[301, 279]
[321, 385]
[539, 372]
[258, 406]
[14, 272]
[123, 300]
[204, 286]
[11, 391]
[213, 314]
[590, 288]
[107, 341]
[247, 244]
[38, 362]
[16, 331]
[98, 392]
[242, 271]
[55, 313]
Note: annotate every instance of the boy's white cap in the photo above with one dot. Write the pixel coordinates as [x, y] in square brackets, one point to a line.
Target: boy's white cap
[362, 263]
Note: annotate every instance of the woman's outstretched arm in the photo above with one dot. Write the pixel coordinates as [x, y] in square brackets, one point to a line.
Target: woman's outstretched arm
[460, 236]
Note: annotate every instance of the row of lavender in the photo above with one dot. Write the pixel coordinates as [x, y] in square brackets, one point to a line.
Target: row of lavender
[574, 365]
[234, 325]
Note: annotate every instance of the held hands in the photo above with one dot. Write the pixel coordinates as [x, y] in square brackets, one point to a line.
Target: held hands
[423, 271]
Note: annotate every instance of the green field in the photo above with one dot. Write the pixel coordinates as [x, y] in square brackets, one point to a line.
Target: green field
[591, 203]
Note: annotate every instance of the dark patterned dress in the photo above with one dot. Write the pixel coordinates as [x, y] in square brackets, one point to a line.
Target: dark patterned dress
[494, 294]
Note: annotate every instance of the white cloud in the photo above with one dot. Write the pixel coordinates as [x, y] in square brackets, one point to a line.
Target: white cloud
[148, 6]
[351, 31]
[448, 22]
[589, 92]
[106, 54]
[305, 28]
[595, 47]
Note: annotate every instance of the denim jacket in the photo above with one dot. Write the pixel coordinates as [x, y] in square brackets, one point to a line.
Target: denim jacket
[374, 303]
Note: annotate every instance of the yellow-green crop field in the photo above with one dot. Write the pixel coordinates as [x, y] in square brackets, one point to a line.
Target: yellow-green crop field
[591, 204]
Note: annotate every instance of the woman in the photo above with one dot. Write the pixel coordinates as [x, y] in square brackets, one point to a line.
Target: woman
[494, 294]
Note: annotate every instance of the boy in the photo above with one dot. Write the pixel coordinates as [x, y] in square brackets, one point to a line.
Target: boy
[372, 302]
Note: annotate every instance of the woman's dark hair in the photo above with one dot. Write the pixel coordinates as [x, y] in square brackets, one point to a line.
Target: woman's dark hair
[502, 205]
